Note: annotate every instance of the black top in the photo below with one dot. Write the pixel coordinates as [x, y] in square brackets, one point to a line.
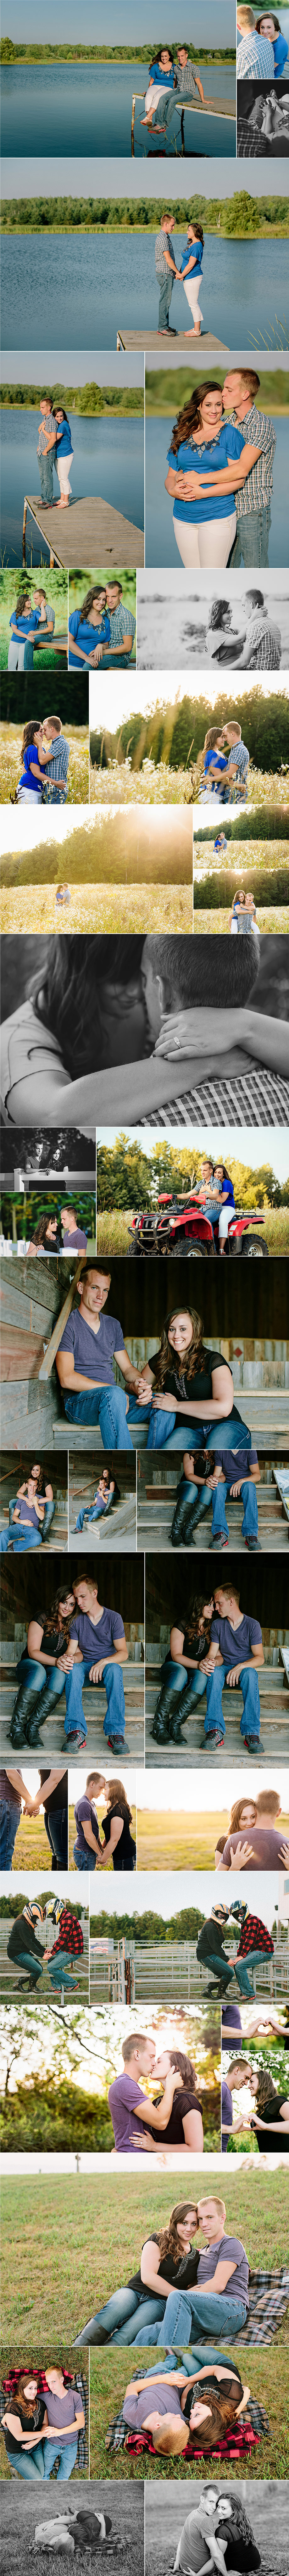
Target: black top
[22, 1937]
[56, 1797]
[30, 2424]
[196, 1389]
[183, 2102]
[123, 1857]
[196, 1646]
[52, 1641]
[184, 2270]
[215, 2385]
[272, 2112]
[210, 1939]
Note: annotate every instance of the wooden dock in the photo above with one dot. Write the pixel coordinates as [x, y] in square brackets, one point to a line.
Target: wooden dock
[187, 106]
[150, 340]
[90, 532]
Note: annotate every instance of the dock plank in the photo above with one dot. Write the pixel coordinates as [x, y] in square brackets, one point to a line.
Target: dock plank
[89, 532]
[150, 340]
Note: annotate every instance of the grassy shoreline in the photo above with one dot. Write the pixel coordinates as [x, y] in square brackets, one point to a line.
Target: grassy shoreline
[32, 214]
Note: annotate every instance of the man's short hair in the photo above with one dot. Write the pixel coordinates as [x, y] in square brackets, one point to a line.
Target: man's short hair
[217, 2204]
[219, 976]
[270, 1802]
[100, 1266]
[257, 596]
[93, 1777]
[245, 18]
[166, 218]
[138, 2039]
[239, 2066]
[56, 721]
[230, 1591]
[112, 582]
[248, 378]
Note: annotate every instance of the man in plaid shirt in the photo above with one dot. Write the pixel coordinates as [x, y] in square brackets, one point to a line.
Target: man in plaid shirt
[255, 57]
[68, 1945]
[255, 1941]
[254, 493]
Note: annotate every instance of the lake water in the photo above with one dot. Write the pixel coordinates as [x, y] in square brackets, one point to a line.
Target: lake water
[161, 546]
[108, 458]
[90, 287]
[74, 109]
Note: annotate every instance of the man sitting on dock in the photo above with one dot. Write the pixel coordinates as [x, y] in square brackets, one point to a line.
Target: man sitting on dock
[187, 81]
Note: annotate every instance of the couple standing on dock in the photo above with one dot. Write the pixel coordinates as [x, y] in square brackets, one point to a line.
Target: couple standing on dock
[54, 449]
[188, 275]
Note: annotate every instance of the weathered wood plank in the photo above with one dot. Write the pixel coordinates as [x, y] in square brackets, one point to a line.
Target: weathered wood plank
[22, 1310]
[144, 339]
[90, 531]
[19, 1350]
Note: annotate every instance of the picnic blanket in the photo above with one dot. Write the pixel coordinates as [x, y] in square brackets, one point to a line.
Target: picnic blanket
[242, 2438]
[268, 2301]
[72, 2378]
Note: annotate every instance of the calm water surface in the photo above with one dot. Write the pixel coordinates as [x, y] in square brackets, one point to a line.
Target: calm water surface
[70, 108]
[161, 547]
[108, 459]
[89, 287]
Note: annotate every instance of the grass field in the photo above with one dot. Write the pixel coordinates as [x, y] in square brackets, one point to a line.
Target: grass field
[22, 2508]
[108, 2380]
[11, 764]
[267, 919]
[60, 2256]
[159, 785]
[185, 1843]
[72, 1835]
[94, 908]
[267, 2515]
[32, 1848]
[113, 1230]
[244, 856]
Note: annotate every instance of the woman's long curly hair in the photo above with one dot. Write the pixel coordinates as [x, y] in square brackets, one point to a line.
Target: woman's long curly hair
[24, 601]
[193, 1359]
[168, 2239]
[234, 1826]
[42, 1235]
[77, 989]
[218, 611]
[190, 419]
[52, 1621]
[267, 2091]
[192, 1621]
[117, 1794]
[223, 2404]
[97, 592]
[183, 2066]
[27, 2403]
[259, 22]
[28, 735]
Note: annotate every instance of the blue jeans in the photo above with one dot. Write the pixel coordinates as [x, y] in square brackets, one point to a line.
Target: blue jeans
[9, 1821]
[120, 2317]
[59, 1970]
[90, 1512]
[219, 2314]
[32, 1966]
[68, 2455]
[45, 464]
[28, 664]
[56, 1829]
[165, 1432]
[241, 1970]
[29, 1538]
[175, 1680]
[249, 1685]
[30, 2464]
[252, 538]
[84, 1860]
[191, 1504]
[250, 1510]
[106, 1405]
[114, 1722]
[165, 293]
[34, 1680]
[219, 1966]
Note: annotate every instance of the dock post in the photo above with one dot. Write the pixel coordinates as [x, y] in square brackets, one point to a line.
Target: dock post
[24, 533]
[132, 128]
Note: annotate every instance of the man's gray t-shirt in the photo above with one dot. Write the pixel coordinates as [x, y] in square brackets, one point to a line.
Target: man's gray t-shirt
[93, 1352]
[153, 2400]
[236, 1644]
[228, 2249]
[265, 1842]
[96, 1639]
[235, 1463]
[123, 2096]
[62, 2410]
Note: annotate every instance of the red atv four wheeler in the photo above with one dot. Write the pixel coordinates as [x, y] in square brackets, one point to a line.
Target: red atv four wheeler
[180, 1225]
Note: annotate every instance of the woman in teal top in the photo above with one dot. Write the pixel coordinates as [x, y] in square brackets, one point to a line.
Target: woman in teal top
[22, 627]
[191, 269]
[89, 628]
[203, 443]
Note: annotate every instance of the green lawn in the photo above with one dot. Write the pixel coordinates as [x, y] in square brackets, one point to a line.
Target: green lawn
[62, 2252]
[108, 2380]
[113, 1230]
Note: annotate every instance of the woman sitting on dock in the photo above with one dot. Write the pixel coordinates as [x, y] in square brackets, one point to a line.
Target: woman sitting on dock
[64, 458]
[89, 629]
[161, 81]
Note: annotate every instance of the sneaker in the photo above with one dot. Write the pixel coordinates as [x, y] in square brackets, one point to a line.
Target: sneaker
[220, 1541]
[214, 1737]
[164, 332]
[253, 1744]
[254, 1546]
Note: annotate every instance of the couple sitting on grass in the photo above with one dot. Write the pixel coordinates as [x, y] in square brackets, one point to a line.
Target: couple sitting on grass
[45, 768]
[28, 617]
[102, 630]
[224, 772]
[54, 449]
[192, 2285]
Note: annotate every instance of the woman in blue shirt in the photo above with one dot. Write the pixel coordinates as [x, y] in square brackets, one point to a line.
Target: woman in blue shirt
[31, 782]
[214, 761]
[161, 79]
[64, 458]
[203, 442]
[227, 1208]
[22, 625]
[90, 629]
[269, 26]
[191, 270]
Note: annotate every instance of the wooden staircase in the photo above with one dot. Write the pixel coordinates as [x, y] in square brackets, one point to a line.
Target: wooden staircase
[155, 1512]
[274, 1699]
[95, 1710]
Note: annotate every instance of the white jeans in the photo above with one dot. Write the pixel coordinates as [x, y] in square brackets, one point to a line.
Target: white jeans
[208, 543]
[152, 96]
[29, 795]
[63, 470]
[192, 290]
[224, 1221]
[16, 656]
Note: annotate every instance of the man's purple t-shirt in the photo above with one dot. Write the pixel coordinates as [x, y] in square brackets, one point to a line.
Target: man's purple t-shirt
[95, 1642]
[236, 1644]
[93, 1352]
[123, 2096]
[62, 2410]
[265, 1846]
[230, 2017]
[75, 1242]
[228, 2249]
[227, 2114]
[85, 1813]
[235, 1463]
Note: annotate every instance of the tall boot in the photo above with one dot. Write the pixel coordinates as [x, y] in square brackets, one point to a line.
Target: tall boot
[161, 1726]
[21, 1713]
[176, 1729]
[40, 1711]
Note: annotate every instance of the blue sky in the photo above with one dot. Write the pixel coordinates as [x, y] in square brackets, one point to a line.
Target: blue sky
[254, 1145]
[84, 367]
[116, 26]
[90, 179]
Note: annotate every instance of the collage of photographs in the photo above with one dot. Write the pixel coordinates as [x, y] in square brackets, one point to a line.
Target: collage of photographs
[144, 1120]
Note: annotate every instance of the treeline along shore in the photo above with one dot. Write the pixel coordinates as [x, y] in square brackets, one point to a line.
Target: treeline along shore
[81, 398]
[239, 216]
[10, 53]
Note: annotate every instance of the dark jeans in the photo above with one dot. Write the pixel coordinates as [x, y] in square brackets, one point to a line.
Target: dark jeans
[45, 464]
[251, 542]
[9, 1821]
[56, 1828]
[166, 289]
[192, 1501]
